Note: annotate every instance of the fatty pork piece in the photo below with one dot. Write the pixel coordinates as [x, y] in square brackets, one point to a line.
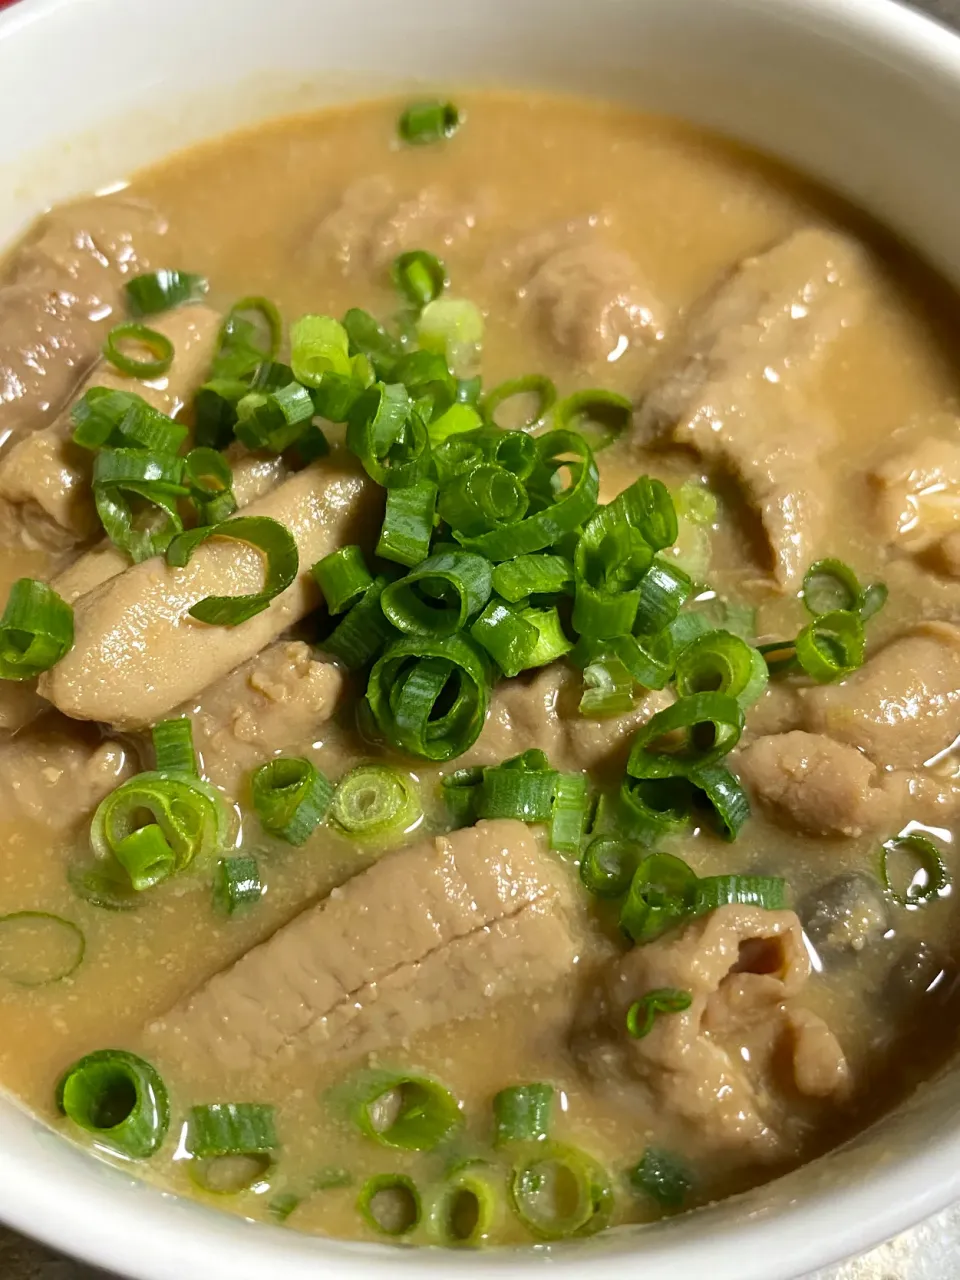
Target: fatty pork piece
[746, 1063]
[60, 294]
[45, 479]
[137, 653]
[430, 934]
[735, 392]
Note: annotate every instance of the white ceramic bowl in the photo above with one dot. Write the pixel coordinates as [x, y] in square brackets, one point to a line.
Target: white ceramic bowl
[860, 93]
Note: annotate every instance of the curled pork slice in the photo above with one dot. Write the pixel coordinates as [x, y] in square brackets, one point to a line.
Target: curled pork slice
[736, 389]
[726, 1064]
[137, 653]
[541, 710]
[56, 773]
[813, 783]
[274, 703]
[902, 708]
[60, 294]
[431, 934]
[373, 223]
[45, 478]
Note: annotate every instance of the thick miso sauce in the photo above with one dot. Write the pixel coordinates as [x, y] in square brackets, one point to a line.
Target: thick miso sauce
[247, 212]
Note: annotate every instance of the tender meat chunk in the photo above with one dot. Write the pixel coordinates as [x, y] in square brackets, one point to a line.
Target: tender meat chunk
[46, 477]
[542, 711]
[273, 703]
[813, 783]
[430, 934]
[846, 914]
[918, 493]
[137, 653]
[944, 557]
[55, 774]
[743, 967]
[373, 223]
[735, 392]
[59, 297]
[901, 709]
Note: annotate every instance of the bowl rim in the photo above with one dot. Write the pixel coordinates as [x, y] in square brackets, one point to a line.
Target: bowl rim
[94, 1225]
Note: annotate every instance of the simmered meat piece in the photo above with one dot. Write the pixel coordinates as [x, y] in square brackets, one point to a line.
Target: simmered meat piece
[902, 707]
[274, 703]
[542, 710]
[719, 1064]
[59, 297]
[846, 914]
[138, 653]
[918, 493]
[811, 782]
[945, 556]
[56, 774]
[431, 934]
[735, 392]
[373, 223]
[46, 477]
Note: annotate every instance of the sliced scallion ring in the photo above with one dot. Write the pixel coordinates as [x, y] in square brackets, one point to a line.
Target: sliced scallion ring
[525, 576]
[464, 1210]
[408, 523]
[571, 812]
[119, 1099]
[599, 416]
[155, 291]
[343, 578]
[36, 630]
[173, 746]
[390, 1204]
[559, 1191]
[534, 386]
[236, 884]
[721, 662]
[158, 346]
[661, 895]
[663, 1176]
[267, 535]
[522, 1113]
[439, 595]
[38, 948]
[711, 892]
[928, 876]
[375, 803]
[291, 797]
[644, 1012]
[363, 631]
[231, 1129]
[428, 121]
[420, 276]
[831, 646]
[407, 1112]
[607, 866]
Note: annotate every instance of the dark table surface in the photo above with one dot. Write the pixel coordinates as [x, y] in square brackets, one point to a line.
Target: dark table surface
[929, 1252]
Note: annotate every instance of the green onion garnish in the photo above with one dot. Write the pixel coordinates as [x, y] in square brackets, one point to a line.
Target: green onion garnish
[343, 578]
[452, 328]
[37, 948]
[571, 810]
[374, 803]
[661, 895]
[831, 646]
[608, 689]
[533, 575]
[387, 434]
[242, 339]
[231, 1129]
[437, 597]
[319, 346]
[429, 695]
[274, 420]
[510, 639]
[461, 790]
[282, 1206]
[370, 339]
[122, 419]
[560, 1192]
[522, 1113]
[720, 661]
[410, 1113]
[643, 1012]
[208, 476]
[664, 591]
[390, 1204]
[429, 121]
[831, 585]
[534, 386]
[717, 786]
[362, 633]
[712, 892]
[119, 1099]
[173, 746]
[522, 787]
[122, 475]
[431, 385]
[157, 291]
[928, 876]
[267, 535]
[408, 523]
[663, 1176]
[158, 345]
[607, 866]
[36, 630]
[107, 886]
[420, 276]
[599, 416]
[236, 884]
[463, 1211]
[697, 730]
[291, 797]
[481, 500]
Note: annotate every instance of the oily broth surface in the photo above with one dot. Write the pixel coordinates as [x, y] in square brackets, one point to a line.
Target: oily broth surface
[245, 211]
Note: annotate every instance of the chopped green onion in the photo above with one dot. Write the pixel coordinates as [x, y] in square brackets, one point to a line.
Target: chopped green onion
[662, 1176]
[652, 807]
[559, 1192]
[661, 894]
[469, 390]
[282, 1206]
[173, 746]
[121, 419]
[780, 656]
[829, 585]
[430, 121]
[107, 887]
[610, 567]
[533, 575]
[522, 1113]
[231, 1129]
[464, 1209]
[262, 532]
[420, 276]
[439, 596]
[643, 1012]
[721, 662]
[157, 291]
[533, 385]
[387, 435]
[831, 646]
[121, 474]
[599, 416]
[370, 339]
[410, 1113]
[552, 642]
[452, 328]
[119, 1099]
[209, 478]
[408, 523]
[607, 866]
[508, 638]
[712, 892]
[319, 345]
[188, 821]
[522, 787]
[571, 809]
[291, 797]
[374, 803]
[274, 420]
[872, 599]
[720, 789]
[37, 948]
[238, 332]
[461, 790]
[663, 592]
[429, 695]
[928, 876]
[343, 578]
[36, 630]
[158, 345]
[236, 884]
[649, 660]
[363, 632]
[390, 1204]
[458, 420]
[481, 500]
[697, 730]
[607, 689]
